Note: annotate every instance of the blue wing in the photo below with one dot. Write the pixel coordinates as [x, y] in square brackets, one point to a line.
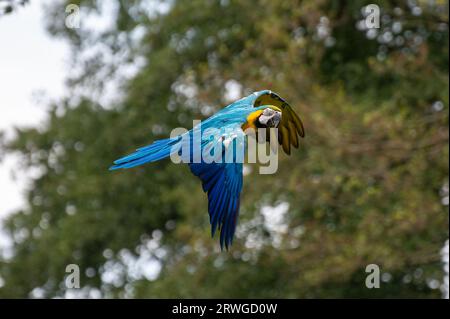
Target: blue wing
[223, 183]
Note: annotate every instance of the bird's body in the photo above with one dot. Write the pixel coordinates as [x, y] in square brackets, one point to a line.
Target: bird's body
[222, 179]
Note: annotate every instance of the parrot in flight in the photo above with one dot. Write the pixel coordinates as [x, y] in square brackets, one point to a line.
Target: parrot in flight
[222, 180]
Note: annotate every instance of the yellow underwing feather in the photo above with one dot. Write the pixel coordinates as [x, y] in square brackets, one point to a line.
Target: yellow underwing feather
[298, 124]
[286, 144]
[293, 134]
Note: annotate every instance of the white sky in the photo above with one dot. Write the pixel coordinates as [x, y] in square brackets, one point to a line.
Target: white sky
[30, 62]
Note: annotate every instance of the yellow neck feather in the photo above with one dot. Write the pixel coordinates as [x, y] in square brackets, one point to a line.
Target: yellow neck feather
[251, 118]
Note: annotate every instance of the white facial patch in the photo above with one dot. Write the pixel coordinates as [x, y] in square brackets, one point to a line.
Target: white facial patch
[270, 118]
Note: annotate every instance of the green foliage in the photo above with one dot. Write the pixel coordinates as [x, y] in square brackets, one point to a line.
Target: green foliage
[365, 186]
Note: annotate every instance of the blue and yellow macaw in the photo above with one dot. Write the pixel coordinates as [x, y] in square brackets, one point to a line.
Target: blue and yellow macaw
[222, 180]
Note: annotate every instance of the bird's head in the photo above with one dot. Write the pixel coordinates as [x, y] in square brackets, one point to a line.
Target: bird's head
[270, 117]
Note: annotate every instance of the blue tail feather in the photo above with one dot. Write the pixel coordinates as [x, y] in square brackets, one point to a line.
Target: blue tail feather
[154, 152]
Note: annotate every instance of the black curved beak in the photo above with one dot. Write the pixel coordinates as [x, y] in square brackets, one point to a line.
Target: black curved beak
[274, 120]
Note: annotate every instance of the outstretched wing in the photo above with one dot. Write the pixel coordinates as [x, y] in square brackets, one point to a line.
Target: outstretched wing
[222, 180]
[290, 127]
[223, 184]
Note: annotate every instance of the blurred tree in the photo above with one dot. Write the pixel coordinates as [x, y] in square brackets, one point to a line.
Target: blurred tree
[8, 6]
[367, 186]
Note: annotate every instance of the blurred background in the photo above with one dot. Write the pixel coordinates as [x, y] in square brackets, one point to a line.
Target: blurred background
[83, 82]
